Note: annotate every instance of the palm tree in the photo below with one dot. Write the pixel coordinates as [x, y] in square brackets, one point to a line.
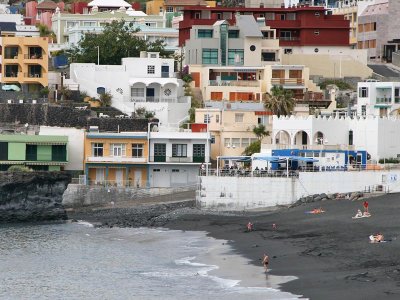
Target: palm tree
[260, 131]
[279, 101]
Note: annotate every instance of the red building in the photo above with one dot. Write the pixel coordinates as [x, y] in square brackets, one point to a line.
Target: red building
[79, 8]
[295, 26]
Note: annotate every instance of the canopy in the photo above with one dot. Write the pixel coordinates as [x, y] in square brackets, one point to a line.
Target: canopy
[242, 158]
[10, 87]
[284, 158]
[267, 158]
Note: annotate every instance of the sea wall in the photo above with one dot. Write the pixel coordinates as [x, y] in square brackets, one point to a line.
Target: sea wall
[78, 195]
[238, 193]
[32, 196]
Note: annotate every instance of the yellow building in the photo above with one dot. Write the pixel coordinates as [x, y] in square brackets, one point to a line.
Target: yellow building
[24, 61]
[118, 159]
[155, 7]
[231, 126]
[350, 13]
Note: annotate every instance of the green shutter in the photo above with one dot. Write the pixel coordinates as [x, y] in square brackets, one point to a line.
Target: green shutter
[54, 168]
[3, 150]
[44, 152]
[16, 151]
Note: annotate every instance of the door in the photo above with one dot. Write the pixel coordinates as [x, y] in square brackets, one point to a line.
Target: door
[138, 178]
[119, 177]
[165, 71]
[160, 177]
[150, 95]
[179, 177]
[99, 175]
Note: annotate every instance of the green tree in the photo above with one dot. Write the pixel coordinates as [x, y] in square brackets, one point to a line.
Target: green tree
[117, 41]
[142, 113]
[254, 147]
[260, 131]
[279, 101]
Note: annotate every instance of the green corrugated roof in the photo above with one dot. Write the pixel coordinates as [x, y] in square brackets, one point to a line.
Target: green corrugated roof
[22, 138]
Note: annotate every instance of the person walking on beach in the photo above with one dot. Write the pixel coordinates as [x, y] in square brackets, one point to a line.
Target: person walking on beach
[265, 262]
[366, 206]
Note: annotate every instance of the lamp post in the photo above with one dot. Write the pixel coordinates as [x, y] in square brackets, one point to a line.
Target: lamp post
[98, 55]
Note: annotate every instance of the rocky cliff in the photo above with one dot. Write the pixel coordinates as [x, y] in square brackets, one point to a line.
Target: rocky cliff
[32, 196]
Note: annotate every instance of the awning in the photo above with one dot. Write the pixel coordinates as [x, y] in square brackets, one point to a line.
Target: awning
[233, 157]
[148, 81]
[46, 143]
[267, 158]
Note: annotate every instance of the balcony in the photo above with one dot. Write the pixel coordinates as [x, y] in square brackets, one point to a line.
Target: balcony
[33, 56]
[115, 159]
[242, 83]
[288, 81]
[32, 75]
[172, 159]
[384, 101]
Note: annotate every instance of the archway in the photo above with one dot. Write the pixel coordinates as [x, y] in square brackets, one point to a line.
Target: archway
[282, 137]
[301, 139]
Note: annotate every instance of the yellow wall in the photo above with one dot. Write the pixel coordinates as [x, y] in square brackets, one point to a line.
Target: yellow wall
[107, 145]
[23, 60]
[131, 180]
[153, 7]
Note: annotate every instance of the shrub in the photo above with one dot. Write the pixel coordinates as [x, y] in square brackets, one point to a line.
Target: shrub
[18, 168]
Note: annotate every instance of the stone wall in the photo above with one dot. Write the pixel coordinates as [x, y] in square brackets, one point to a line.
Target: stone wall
[32, 196]
[54, 115]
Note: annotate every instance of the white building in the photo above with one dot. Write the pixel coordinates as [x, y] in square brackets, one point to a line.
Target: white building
[176, 157]
[378, 98]
[75, 144]
[378, 136]
[147, 81]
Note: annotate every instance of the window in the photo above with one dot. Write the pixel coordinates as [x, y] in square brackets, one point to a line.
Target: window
[233, 34]
[156, 170]
[137, 92]
[210, 56]
[31, 152]
[288, 51]
[204, 33]
[151, 69]
[253, 140]
[236, 142]
[285, 35]
[207, 118]
[97, 149]
[137, 150]
[317, 14]
[227, 142]
[245, 142]
[170, 9]
[59, 153]
[316, 50]
[175, 170]
[239, 118]
[179, 150]
[351, 137]
[197, 15]
[89, 24]
[363, 92]
[363, 110]
[159, 149]
[270, 16]
[118, 150]
[219, 16]
[316, 32]
[199, 150]
[235, 57]
[217, 119]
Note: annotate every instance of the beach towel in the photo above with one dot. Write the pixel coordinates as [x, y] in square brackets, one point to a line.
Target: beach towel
[360, 217]
[315, 212]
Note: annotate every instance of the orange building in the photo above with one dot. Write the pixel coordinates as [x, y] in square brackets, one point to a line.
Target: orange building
[25, 62]
[118, 159]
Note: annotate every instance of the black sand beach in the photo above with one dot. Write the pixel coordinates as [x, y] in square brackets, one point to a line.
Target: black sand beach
[330, 253]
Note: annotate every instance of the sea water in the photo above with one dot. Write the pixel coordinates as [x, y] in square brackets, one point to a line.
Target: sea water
[79, 261]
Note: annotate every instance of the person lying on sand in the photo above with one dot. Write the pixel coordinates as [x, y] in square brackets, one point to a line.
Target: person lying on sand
[366, 214]
[378, 238]
[265, 262]
[317, 211]
[359, 214]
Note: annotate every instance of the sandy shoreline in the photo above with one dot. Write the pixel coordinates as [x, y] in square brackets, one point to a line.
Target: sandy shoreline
[329, 253]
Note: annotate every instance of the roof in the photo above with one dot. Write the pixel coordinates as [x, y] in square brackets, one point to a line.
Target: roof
[376, 9]
[8, 26]
[109, 3]
[185, 2]
[47, 5]
[248, 26]
[34, 139]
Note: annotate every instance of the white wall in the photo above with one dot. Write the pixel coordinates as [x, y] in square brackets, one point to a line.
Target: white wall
[183, 175]
[75, 144]
[238, 193]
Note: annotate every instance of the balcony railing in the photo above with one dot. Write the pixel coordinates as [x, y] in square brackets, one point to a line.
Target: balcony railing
[289, 38]
[33, 56]
[383, 100]
[113, 159]
[33, 75]
[243, 83]
[11, 75]
[287, 81]
[173, 159]
[184, 99]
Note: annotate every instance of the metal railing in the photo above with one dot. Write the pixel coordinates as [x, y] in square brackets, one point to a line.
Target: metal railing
[33, 75]
[242, 83]
[173, 159]
[288, 81]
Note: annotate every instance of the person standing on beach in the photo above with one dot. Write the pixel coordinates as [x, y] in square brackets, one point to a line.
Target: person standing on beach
[265, 262]
[366, 206]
